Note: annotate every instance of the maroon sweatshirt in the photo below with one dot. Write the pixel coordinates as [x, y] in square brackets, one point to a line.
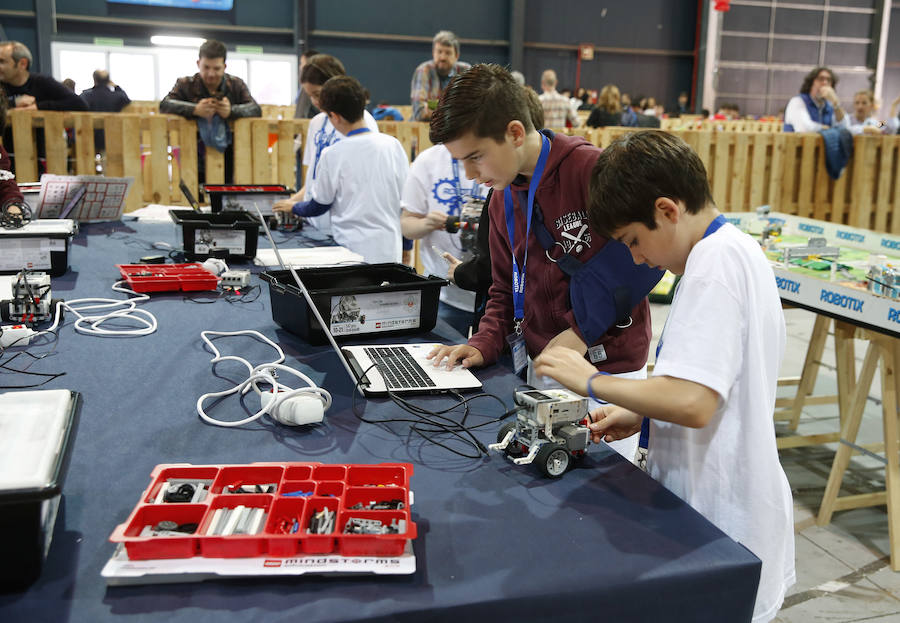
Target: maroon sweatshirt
[562, 197]
[9, 190]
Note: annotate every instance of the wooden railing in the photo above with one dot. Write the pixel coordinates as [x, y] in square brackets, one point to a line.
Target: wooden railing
[746, 168]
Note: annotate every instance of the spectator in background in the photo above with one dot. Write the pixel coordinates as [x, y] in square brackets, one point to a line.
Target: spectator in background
[584, 100]
[519, 77]
[557, 108]
[608, 110]
[105, 95]
[817, 107]
[26, 90]
[69, 84]
[650, 107]
[212, 97]
[432, 76]
[864, 121]
[681, 106]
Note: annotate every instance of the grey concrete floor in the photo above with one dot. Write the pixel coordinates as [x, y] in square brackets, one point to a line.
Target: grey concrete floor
[843, 568]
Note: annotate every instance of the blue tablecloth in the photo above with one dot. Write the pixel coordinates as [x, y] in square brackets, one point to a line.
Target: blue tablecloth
[496, 541]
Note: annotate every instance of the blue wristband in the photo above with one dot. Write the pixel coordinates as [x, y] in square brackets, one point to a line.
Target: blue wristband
[590, 392]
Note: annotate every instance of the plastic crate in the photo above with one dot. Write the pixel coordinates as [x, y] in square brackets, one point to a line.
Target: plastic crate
[37, 430]
[289, 495]
[223, 235]
[167, 277]
[376, 299]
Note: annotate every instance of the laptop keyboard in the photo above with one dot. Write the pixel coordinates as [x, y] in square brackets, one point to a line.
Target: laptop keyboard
[397, 367]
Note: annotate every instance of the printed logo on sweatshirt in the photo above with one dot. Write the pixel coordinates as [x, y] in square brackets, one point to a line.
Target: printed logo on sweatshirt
[573, 229]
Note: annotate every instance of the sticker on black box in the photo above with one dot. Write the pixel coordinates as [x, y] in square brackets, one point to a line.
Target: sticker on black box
[375, 313]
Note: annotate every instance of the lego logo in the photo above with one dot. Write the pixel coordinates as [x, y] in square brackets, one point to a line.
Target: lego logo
[272, 563]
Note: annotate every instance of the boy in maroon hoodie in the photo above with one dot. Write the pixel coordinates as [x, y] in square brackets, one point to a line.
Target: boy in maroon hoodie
[483, 121]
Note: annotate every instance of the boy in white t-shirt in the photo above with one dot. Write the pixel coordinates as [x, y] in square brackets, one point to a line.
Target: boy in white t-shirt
[359, 179]
[321, 133]
[436, 189]
[710, 400]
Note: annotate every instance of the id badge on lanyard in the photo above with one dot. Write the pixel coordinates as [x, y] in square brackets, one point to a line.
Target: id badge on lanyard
[516, 340]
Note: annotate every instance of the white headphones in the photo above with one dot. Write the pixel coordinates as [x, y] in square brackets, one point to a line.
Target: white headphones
[285, 405]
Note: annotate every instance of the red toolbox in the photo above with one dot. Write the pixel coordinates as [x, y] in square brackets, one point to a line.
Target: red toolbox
[167, 277]
[270, 509]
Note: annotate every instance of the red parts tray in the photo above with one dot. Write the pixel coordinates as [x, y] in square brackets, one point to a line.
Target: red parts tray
[270, 509]
[167, 277]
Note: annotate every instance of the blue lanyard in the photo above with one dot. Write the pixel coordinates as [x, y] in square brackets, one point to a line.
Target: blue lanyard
[645, 424]
[357, 131]
[518, 285]
[322, 142]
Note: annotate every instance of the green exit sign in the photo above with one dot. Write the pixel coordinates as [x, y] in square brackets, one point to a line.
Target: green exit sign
[249, 49]
[109, 41]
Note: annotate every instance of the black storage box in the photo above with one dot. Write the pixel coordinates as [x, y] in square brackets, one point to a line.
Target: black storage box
[41, 245]
[37, 430]
[223, 235]
[232, 197]
[360, 300]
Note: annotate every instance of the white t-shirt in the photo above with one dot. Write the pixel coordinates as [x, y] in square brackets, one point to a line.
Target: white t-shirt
[726, 331]
[432, 186]
[320, 134]
[362, 177]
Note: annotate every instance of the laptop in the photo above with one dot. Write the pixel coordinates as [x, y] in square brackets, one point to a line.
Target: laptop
[73, 202]
[379, 369]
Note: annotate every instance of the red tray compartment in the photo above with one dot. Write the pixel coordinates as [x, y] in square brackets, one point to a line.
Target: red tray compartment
[234, 545]
[319, 543]
[247, 475]
[366, 495]
[374, 544]
[285, 510]
[168, 277]
[153, 547]
[378, 475]
[197, 474]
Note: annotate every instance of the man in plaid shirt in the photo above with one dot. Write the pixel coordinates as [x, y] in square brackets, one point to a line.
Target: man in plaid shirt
[557, 107]
[211, 92]
[432, 76]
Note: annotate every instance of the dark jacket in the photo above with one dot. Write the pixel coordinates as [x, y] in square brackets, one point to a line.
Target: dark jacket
[600, 118]
[47, 92]
[562, 197]
[189, 90]
[475, 274]
[105, 99]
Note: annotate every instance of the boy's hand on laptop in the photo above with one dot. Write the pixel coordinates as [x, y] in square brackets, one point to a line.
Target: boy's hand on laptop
[469, 356]
[566, 366]
[611, 423]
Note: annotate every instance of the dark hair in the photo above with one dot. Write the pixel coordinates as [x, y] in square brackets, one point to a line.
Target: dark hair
[213, 49]
[345, 96]
[811, 76]
[309, 53]
[637, 169]
[482, 100]
[320, 68]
